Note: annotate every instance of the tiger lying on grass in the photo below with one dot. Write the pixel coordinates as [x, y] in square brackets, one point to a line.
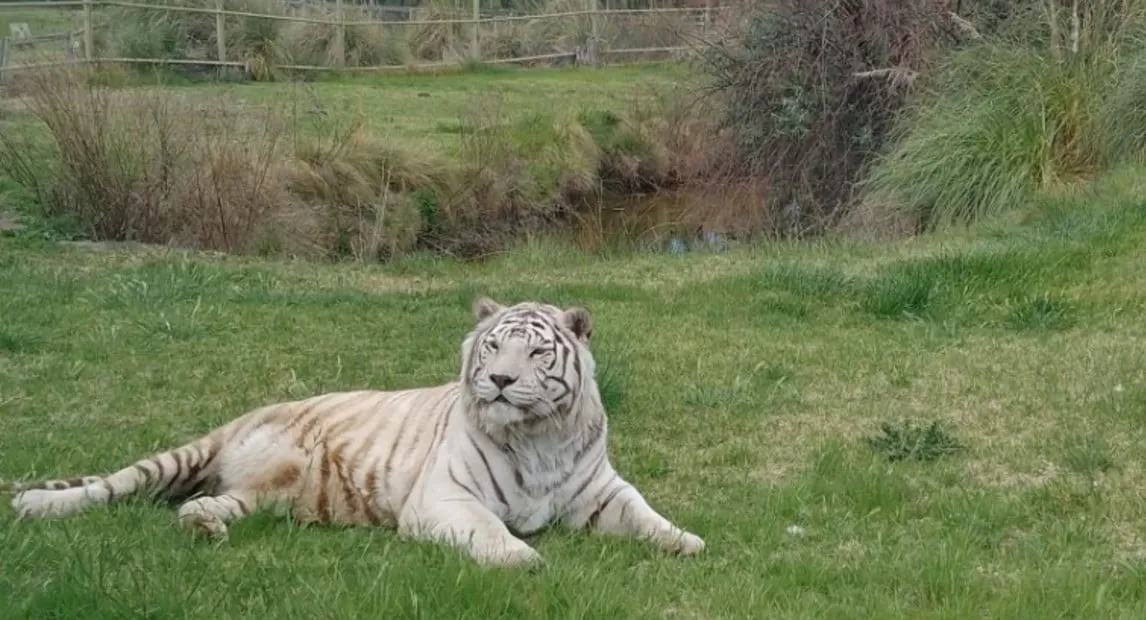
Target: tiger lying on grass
[519, 441]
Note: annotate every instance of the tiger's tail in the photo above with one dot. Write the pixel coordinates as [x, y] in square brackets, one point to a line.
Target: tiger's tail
[172, 474]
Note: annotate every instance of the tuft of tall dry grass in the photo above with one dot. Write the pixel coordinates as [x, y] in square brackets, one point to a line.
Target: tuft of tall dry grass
[145, 165]
[156, 167]
[438, 42]
[359, 192]
[363, 46]
[535, 37]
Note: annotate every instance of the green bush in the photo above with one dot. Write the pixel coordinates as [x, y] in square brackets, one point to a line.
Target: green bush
[1002, 123]
[150, 33]
[146, 34]
[1005, 118]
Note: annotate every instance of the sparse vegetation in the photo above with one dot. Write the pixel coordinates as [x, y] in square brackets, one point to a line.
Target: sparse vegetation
[373, 37]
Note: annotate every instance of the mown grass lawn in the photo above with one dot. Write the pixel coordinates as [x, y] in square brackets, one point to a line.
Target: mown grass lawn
[741, 388]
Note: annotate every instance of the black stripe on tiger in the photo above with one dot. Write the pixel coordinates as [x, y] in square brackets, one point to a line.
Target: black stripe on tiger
[605, 503]
[473, 476]
[455, 480]
[587, 481]
[496, 487]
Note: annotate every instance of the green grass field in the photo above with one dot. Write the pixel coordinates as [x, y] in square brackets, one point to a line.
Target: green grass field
[40, 22]
[741, 388]
[426, 110]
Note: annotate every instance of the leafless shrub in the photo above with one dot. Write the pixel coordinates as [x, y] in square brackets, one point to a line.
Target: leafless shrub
[812, 88]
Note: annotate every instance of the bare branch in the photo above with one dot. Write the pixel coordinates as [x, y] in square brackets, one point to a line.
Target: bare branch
[1051, 9]
[898, 75]
[967, 27]
[1075, 27]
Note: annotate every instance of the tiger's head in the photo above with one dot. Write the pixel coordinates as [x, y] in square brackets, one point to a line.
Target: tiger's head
[528, 362]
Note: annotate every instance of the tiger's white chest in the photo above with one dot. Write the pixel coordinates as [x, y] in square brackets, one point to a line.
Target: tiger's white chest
[542, 489]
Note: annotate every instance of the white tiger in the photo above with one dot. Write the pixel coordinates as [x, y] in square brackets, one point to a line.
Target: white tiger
[517, 444]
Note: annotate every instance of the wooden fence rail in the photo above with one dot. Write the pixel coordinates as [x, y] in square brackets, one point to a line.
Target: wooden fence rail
[592, 13]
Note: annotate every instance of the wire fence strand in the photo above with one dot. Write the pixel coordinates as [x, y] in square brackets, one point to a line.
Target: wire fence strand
[579, 36]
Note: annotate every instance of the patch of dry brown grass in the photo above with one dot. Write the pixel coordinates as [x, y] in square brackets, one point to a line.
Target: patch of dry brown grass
[147, 166]
[153, 166]
[352, 193]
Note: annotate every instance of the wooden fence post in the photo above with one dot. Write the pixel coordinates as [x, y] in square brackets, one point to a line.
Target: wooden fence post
[88, 39]
[475, 49]
[3, 60]
[340, 36]
[220, 34]
[589, 53]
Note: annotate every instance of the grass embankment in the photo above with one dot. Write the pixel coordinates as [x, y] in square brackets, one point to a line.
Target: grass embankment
[369, 168]
[741, 388]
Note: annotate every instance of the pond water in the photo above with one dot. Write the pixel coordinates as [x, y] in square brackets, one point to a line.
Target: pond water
[673, 221]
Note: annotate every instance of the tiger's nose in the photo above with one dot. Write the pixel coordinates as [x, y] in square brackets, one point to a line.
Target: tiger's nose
[502, 380]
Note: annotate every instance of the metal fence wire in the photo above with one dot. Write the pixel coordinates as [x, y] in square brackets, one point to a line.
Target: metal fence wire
[255, 35]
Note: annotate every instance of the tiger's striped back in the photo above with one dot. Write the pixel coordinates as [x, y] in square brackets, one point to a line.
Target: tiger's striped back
[347, 458]
[343, 457]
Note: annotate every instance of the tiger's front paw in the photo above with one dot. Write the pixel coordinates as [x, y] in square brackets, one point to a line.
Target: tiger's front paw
[681, 542]
[49, 503]
[689, 544]
[515, 556]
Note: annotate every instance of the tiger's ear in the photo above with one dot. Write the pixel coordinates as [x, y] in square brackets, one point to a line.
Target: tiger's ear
[579, 321]
[484, 307]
